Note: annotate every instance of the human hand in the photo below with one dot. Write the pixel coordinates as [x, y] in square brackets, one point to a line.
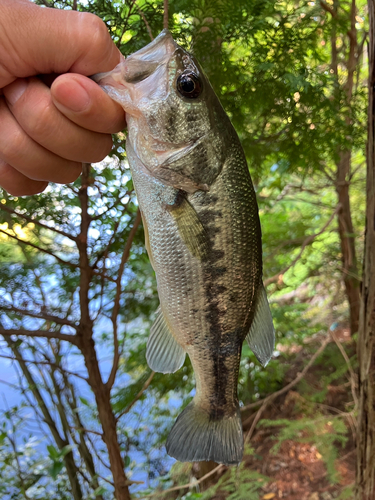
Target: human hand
[46, 133]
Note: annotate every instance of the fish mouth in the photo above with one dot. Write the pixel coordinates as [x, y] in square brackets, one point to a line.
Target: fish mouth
[140, 65]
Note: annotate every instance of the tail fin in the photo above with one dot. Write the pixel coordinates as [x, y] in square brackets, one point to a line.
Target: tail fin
[194, 437]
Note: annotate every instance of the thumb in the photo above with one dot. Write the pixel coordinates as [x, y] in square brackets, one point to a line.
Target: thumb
[37, 40]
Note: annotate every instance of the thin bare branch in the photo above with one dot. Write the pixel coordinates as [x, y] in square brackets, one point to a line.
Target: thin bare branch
[187, 485]
[353, 376]
[49, 363]
[37, 222]
[165, 18]
[9, 384]
[39, 333]
[83, 435]
[146, 22]
[328, 9]
[41, 315]
[294, 382]
[255, 421]
[19, 469]
[60, 442]
[137, 397]
[83, 429]
[104, 253]
[48, 252]
[116, 306]
[125, 27]
[111, 207]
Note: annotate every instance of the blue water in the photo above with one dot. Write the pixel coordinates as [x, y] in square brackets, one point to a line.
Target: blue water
[11, 395]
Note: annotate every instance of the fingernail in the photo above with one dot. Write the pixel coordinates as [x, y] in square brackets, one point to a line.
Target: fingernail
[15, 90]
[73, 97]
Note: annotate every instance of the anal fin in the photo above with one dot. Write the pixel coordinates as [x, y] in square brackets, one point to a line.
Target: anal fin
[261, 337]
[163, 353]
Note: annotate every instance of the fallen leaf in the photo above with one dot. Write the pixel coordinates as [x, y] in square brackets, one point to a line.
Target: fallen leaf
[269, 495]
[314, 496]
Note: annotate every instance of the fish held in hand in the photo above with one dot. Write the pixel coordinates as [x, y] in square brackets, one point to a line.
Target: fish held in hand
[203, 238]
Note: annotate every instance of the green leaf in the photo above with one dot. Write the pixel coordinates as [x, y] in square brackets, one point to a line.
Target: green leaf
[100, 491]
[53, 452]
[55, 469]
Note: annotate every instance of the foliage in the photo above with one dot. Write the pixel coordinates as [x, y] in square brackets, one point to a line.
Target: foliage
[25, 471]
[238, 484]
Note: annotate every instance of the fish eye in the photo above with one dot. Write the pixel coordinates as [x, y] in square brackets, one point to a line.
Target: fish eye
[189, 85]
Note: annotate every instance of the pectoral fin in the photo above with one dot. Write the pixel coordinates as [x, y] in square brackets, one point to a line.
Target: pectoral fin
[163, 353]
[190, 228]
[261, 337]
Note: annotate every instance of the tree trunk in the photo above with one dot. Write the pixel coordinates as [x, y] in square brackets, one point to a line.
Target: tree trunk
[365, 481]
[347, 240]
[106, 417]
[87, 346]
[345, 223]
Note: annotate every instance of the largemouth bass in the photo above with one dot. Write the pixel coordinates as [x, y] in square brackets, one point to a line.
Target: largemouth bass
[203, 238]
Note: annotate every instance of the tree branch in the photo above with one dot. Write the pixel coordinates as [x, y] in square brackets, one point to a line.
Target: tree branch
[85, 275]
[47, 317]
[37, 222]
[19, 469]
[125, 24]
[137, 397]
[49, 363]
[116, 307]
[39, 333]
[328, 9]
[104, 253]
[60, 442]
[353, 377]
[187, 485]
[146, 23]
[299, 377]
[117, 202]
[87, 346]
[40, 249]
[165, 18]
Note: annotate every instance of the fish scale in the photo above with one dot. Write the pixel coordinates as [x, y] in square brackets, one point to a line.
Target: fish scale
[203, 237]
